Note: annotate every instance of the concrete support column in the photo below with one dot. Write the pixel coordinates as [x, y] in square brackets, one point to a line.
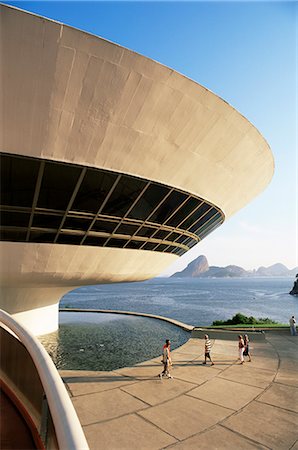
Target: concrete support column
[36, 308]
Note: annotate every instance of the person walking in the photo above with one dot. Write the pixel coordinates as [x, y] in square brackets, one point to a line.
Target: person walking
[241, 348]
[293, 326]
[208, 350]
[166, 360]
[246, 347]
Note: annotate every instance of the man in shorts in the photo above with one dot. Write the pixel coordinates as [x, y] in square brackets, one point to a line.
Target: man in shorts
[208, 350]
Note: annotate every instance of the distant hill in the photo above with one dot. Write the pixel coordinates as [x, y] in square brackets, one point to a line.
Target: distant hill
[277, 270]
[199, 268]
[194, 269]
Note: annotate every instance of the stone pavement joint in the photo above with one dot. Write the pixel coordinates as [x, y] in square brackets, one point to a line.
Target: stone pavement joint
[227, 406]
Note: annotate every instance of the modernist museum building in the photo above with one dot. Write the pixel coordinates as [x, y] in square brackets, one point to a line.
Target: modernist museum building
[112, 165]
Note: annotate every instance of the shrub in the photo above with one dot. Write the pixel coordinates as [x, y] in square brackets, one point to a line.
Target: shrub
[241, 319]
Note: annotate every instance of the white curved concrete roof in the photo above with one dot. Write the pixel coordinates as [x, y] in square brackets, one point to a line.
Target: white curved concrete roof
[71, 96]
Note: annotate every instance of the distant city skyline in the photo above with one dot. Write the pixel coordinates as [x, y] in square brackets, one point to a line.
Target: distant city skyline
[246, 53]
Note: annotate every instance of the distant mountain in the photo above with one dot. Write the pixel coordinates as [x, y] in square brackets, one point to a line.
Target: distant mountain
[194, 269]
[277, 270]
[223, 272]
[199, 268]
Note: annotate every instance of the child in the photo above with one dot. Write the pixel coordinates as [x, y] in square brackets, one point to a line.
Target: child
[207, 350]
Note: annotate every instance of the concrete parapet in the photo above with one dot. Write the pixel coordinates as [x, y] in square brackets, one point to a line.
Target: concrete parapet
[226, 335]
[182, 325]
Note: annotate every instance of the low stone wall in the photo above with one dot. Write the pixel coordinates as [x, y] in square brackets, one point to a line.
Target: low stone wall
[182, 325]
[228, 335]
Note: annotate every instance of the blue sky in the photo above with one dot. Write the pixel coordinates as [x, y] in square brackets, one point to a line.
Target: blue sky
[245, 52]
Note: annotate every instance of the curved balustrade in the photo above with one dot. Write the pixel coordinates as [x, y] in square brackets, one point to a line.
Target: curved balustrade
[28, 372]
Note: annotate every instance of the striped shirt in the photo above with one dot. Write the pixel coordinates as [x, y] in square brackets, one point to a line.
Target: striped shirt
[207, 346]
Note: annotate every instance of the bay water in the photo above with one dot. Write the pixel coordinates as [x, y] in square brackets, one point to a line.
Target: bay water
[195, 301]
[91, 341]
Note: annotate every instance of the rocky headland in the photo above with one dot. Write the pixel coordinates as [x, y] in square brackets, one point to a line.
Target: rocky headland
[294, 291]
[199, 268]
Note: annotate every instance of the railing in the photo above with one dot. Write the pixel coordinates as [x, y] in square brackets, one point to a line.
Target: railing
[31, 375]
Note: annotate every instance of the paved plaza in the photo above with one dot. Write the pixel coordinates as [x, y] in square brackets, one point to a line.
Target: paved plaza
[226, 406]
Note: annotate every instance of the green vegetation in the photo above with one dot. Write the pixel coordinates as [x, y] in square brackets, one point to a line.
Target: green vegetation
[249, 326]
[240, 320]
